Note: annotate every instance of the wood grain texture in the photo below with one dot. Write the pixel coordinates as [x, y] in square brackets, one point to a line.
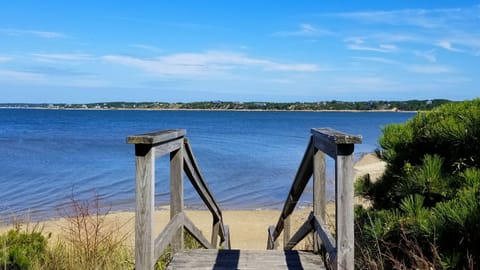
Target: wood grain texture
[226, 243]
[168, 147]
[196, 233]
[302, 232]
[336, 137]
[144, 207]
[246, 259]
[176, 193]
[325, 238]
[167, 235]
[156, 137]
[304, 173]
[319, 190]
[344, 212]
[271, 240]
[286, 232]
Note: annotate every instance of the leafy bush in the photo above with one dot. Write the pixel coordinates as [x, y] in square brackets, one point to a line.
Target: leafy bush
[429, 195]
[20, 249]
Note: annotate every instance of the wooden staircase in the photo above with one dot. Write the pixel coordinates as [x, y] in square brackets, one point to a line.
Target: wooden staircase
[245, 259]
[148, 248]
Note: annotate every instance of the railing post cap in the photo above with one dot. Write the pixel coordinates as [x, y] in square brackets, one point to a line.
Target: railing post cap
[157, 137]
[335, 136]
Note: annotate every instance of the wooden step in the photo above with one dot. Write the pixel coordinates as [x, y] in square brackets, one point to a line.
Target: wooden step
[245, 259]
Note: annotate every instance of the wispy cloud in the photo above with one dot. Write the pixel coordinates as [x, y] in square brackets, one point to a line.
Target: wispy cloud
[4, 59]
[359, 44]
[61, 57]
[427, 55]
[212, 62]
[304, 30]
[376, 59]
[19, 76]
[35, 33]
[147, 47]
[429, 69]
[447, 45]
[44, 78]
[424, 18]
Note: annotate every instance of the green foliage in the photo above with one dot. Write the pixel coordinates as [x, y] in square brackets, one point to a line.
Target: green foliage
[427, 203]
[20, 249]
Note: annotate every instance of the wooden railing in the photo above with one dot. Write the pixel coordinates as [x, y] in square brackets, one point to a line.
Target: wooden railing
[148, 147]
[340, 147]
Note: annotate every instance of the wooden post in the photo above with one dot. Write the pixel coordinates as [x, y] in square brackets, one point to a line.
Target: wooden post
[344, 207]
[319, 191]
[286, 231]
[176, 194]
[215, 232]
[145, 203]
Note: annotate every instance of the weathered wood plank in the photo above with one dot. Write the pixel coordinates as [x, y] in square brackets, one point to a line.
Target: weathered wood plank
[335, 137]
[226, 243]
[144, 207]
[189, 152]
[176, 193]
[271, 239]
[199, 181]
[327, 139]
[156, 137]
[215, 231]
[344, 208]
[304, 173]
[319, 190]
[196, 233]
[201, 189]
[302, 232]
[286, 232]
[168, 147]
[167, 235]
[325, 238]
[246, 259]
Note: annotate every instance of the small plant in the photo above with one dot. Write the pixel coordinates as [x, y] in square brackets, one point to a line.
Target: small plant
[91, 242]
[21, 249]
[190, 243]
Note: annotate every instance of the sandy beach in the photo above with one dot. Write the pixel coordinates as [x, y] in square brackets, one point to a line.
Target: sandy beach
[248, 228]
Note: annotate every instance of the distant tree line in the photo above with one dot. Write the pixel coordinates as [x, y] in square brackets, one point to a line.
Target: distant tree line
[333, 105]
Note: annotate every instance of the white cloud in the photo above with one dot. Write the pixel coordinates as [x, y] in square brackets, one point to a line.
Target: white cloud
[376, 59]
[423, 18]
[37, 78]
[304, 30]
[63, 57]
[427, 55]
[19, 76]
[384, 48]
[147, 47]
[447, 45]
[35, 33]
[429, 69]
[209, 63]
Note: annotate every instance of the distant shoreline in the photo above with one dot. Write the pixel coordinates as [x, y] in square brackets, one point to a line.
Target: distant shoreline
[206, 110]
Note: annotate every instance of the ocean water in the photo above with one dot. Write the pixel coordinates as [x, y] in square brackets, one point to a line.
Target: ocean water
[249, 159]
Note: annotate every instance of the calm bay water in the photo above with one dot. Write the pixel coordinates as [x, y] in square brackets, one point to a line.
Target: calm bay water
[248, 158]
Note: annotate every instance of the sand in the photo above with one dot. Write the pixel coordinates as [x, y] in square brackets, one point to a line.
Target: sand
[248, 228]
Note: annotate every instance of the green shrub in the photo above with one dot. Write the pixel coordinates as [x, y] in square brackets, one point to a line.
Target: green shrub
[426, 206]
[20, 249]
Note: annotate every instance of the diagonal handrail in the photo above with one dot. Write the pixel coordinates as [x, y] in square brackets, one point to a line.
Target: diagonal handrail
[148, 147]
[195, 176]
[339, 146]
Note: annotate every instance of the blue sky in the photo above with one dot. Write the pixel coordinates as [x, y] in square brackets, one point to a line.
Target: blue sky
[180, 51]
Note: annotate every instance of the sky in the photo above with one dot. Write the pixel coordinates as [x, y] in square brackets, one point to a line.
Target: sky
[280, 51]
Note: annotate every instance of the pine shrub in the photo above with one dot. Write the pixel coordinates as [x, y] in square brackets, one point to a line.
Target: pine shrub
[426, 206]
